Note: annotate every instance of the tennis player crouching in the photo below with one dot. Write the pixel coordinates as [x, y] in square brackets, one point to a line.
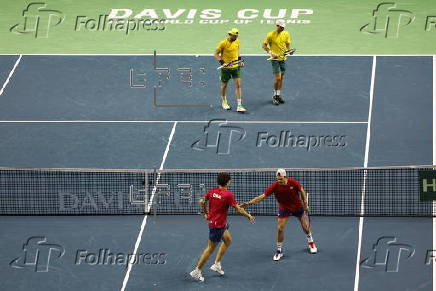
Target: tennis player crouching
[219, 199]
[292, 200]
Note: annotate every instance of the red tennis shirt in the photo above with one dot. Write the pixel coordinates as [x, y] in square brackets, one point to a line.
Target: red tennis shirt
[286, 195]
[219, 202]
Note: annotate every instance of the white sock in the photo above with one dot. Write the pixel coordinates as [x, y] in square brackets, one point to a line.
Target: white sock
[309, 237]
[279, 246]
[223, 98]
[218, 264]
[278, 92]
[275, 92]
[239, 101]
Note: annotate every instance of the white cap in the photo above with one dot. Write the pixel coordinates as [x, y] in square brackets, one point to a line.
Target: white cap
[281, 22]
[282, 172]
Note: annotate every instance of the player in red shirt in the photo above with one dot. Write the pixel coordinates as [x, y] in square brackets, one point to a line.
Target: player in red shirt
[219, 199]
[292, 200]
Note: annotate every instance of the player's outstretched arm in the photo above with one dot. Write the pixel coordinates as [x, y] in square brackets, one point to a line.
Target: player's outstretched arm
[254, 200]
[244, 212]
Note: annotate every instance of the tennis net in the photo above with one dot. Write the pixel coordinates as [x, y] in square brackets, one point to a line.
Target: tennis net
[387, 191]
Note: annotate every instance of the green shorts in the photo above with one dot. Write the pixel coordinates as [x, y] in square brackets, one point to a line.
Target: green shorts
[278, 67]
[227, 74]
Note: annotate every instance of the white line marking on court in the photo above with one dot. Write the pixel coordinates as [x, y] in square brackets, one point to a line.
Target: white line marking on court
[434, 163]
[365, 164]
[179, 121]
[10, 74]
[371, 98]
[144, 221]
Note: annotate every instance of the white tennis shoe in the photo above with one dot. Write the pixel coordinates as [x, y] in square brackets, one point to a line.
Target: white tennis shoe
[241, 108]
[196, 274]
[217, 268]
[278, 255]
[225, 105]
[312, 248]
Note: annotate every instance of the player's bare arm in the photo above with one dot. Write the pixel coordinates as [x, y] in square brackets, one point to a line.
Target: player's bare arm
[241, 64]
[267, 49]
[303, 197]
[203, 207]
[288, 46]
[254, 200]
[244, 212]
[217, 55]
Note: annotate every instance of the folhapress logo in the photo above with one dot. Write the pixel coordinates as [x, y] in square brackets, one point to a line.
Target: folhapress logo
[105, 257]
[387, 254]
[287, 139]
[38, 20]
[388, 20]
[220, 136]
[37, 255]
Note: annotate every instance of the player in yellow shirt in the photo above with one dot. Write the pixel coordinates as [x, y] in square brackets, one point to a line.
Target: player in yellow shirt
[275, 43]
[226, 52]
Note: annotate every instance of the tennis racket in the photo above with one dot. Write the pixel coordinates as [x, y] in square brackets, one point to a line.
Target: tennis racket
[230, 64]
[286, 53]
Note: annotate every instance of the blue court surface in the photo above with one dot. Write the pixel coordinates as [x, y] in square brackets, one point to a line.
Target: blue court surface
[145, 112]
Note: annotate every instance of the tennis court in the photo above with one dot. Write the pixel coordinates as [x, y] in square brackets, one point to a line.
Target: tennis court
[93, 118]
[109, 137]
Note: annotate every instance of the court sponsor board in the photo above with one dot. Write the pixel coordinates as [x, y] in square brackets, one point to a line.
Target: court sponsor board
[427, 185]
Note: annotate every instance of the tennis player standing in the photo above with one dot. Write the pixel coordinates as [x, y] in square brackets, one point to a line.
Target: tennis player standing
[219, 200]
[228, 51]
[277, 42]
[292, 200]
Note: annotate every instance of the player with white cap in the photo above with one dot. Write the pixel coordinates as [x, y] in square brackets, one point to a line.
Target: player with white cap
[276, 43]
[292, 200]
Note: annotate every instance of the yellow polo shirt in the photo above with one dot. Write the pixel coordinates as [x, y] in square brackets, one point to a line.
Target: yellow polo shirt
[229, 51]
[277, 42]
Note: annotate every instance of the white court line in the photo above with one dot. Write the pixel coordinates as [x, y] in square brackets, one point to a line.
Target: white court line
[179, 121]
[10, 74]
[365, 164]
[144, 221]
[209, 54]
[434, 163]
